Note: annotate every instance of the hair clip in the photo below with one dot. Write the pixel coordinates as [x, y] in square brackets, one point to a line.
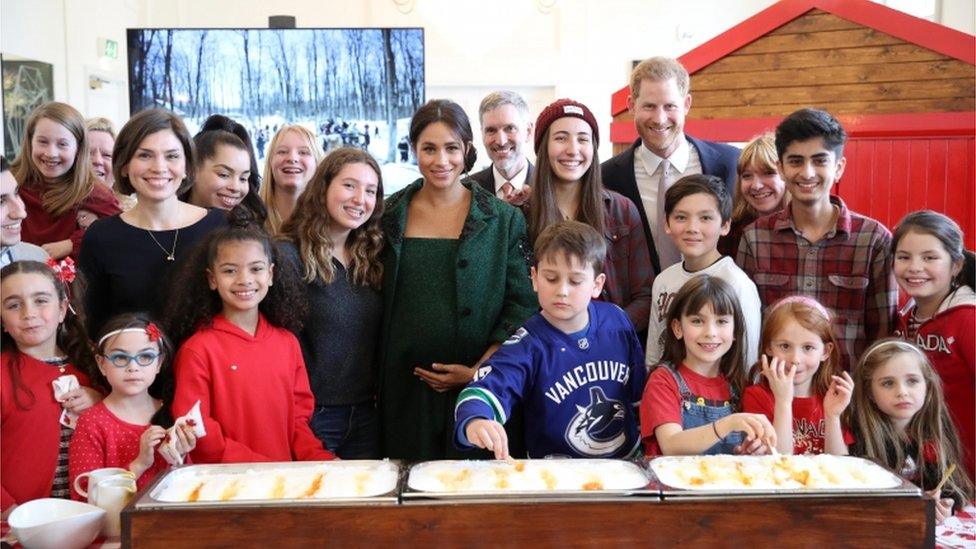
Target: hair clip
[152, 331]
[64, 269]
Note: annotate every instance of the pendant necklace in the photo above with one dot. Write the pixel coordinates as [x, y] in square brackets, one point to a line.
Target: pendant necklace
[170, 255]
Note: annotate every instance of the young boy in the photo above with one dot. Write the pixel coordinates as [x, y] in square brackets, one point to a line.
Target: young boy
[698, 210]
[12, 214]
[577, 367]
[816, 246]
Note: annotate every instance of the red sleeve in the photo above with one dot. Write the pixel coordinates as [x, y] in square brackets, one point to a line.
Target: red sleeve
[305, 446]
[757, 400]
[102, 202]
[193, 384]
[661, 404]
[6, 406]
[86, 451]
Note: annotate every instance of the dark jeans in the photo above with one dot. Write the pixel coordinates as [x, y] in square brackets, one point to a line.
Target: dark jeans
[350, 431]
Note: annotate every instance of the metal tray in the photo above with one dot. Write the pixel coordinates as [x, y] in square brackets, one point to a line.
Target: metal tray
[411, 494]
[902, 489]
[148, 498]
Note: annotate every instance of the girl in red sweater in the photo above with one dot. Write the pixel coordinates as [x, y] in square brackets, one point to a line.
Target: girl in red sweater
[803, 392]
[124, 429]
[57, 181]
[235, 319]
[43, 340]
[937, 273]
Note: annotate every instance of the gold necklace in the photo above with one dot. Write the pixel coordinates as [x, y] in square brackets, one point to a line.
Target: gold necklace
[170, 255]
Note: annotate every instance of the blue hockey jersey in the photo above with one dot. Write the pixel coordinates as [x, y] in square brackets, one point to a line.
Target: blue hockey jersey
[579, 394]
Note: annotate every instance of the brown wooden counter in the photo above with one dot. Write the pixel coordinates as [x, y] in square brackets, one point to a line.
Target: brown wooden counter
[742, 522]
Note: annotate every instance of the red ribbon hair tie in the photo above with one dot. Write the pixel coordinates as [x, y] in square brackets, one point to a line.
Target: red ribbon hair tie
[152, 331]
[64, 269]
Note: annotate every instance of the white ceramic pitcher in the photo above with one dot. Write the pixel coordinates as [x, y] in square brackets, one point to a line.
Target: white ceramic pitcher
[112, 494]
[97, 475]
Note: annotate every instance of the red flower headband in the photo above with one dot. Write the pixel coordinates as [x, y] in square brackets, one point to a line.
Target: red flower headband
[64, 269]
[152, 331]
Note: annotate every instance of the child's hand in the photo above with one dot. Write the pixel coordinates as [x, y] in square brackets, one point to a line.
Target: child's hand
[943, 506]
[838, 395]
[186, 439]
[445, 376]
[780, 378]
[488, 434]
[150, 438]
[755, 427]
[85, 218]
[78, 400]
[58, 250]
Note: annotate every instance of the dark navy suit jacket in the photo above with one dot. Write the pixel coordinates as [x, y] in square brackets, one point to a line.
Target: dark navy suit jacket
[486, 177]
[717, 159]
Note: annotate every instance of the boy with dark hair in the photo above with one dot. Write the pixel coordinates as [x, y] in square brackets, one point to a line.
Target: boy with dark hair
[816, 246]
[12, 214]
[576, 367]
[699, 210]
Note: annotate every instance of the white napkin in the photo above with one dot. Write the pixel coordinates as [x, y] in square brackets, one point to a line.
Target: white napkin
[192, 418]
[62, 386]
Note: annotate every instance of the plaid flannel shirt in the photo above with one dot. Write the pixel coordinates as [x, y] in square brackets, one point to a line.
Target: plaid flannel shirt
[849, 271]
[628, 266]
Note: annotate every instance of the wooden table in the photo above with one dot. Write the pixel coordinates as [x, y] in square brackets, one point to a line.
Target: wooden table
[742, 522]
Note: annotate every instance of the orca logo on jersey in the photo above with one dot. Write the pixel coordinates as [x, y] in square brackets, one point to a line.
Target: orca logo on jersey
[598, 429]
[516, 337]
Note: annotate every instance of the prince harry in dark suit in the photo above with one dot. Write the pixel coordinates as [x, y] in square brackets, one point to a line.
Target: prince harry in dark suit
[660, 100]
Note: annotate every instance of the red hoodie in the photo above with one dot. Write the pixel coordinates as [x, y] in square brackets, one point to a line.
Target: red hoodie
[253, 391]
[949, 341]
[41, 227]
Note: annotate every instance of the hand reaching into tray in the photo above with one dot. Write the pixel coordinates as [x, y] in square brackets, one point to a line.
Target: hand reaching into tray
[488, 434]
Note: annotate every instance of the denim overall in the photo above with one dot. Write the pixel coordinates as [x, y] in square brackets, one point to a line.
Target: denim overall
[697, 411]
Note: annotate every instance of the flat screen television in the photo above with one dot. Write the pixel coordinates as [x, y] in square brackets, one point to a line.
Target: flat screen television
[349, 86]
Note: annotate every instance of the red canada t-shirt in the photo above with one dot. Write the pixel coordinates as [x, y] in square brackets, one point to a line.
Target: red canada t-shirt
[809, 426]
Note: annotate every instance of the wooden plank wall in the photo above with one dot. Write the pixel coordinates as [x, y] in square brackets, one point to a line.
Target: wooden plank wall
[888, 178]
[825, 61]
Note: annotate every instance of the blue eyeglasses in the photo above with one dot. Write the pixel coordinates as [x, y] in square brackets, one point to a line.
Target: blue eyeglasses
[122, 360]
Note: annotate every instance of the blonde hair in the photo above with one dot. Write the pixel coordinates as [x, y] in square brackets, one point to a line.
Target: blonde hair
[274, 221]
[761, 153]
[876, 436]
[659, 69]
[69, 190]
[308, 226]
[100, 124]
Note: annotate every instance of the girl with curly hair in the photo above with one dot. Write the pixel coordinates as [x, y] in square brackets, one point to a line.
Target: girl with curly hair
[242, 362]
[333, 237]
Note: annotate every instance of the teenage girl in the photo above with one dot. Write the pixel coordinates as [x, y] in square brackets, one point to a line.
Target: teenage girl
[900, 420]
[334, 239]
[234, 322]
[43, 339]
[126, 428]
[803, 392]
[225, 171]
[759, 189]
[690, 402]
[56, 179]
[127, 259]
[566, 184]
[292, 158]
[938, 274]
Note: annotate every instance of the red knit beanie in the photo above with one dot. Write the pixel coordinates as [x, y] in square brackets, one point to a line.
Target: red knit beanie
[560, 109]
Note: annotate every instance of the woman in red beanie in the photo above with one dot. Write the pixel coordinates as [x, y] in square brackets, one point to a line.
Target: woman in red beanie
[567, 185]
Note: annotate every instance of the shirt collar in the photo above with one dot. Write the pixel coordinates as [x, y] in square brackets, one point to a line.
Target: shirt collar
[678, 159]
[518, 181]
[784, 218]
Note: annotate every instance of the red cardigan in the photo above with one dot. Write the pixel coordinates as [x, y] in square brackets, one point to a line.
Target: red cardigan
[41, 227]
[29, 439]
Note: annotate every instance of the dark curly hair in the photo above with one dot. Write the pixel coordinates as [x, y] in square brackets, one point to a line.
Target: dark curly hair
[72, 339]
[195, 305]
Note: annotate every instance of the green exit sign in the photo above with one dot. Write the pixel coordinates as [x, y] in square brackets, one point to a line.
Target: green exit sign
[108, 48]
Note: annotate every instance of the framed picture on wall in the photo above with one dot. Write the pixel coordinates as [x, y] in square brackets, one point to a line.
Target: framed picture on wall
[26, 85]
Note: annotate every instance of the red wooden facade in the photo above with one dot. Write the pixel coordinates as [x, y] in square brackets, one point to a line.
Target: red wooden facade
[897, 162]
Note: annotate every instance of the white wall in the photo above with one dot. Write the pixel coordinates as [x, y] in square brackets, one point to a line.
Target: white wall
[581, 48]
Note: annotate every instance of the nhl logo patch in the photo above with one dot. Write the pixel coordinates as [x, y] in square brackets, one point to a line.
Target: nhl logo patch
[583, 343]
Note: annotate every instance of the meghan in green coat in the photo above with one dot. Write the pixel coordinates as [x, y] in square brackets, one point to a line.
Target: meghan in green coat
[448, 301]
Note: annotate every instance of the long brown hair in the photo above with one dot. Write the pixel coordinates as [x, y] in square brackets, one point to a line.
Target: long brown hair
[72, 338]
[543, 210]
[716, 293]
[69, 190]
[308, 226]
[877, 437]
[812, 319]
